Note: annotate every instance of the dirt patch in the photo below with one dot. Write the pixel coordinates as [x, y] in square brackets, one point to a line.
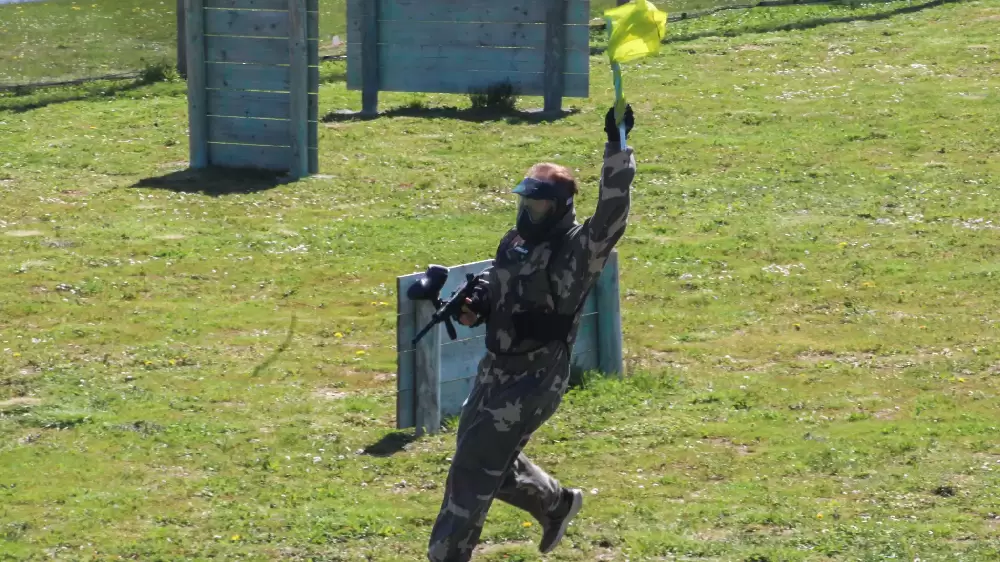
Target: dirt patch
[23, 233]
[815, 356]
[887, 414]
[30, 438]
[489, 548]
[18, 403]
[330, 394]
[770, 530]
[608, 555]
[180, 472]
[713, 535]
[723, 442]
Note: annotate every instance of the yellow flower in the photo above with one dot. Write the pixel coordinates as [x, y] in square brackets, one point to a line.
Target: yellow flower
[842, 245]
[526, 524]
[16, 354]
[235, 537]
[960, 379]
[923, 327]
[796, 326]
[360, 352]
[868, 284]
[819, 516]
[338, 335]
[172, 362]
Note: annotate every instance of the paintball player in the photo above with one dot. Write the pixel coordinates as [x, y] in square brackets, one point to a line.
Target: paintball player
[530, 299]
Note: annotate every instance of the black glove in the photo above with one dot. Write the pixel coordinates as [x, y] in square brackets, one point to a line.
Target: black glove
[479, 303]
[611, 128]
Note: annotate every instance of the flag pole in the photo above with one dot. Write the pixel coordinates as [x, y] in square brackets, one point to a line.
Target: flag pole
[619, 96]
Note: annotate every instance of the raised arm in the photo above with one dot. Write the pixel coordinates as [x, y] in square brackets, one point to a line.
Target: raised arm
[607, 225]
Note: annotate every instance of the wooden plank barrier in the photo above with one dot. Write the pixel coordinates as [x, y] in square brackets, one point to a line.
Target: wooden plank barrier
[253, 84]
[541, 47]
[434, 377]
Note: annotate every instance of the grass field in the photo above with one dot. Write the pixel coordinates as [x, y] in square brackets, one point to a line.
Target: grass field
[70, 39]
[810, 306]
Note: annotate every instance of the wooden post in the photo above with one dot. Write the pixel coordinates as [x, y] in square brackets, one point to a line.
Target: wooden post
[181, 40]
[428, 374]
[197, 108]
[369, 57]
[298, 89]
[555, 54]
[609, 319]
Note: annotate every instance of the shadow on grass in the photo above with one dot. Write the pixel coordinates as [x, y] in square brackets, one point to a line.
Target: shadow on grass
[215, 181]
[513, 117]
[390, 444]
[793, 26]
[27, 98]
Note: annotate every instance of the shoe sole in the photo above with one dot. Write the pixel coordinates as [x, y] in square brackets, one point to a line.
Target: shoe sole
[574, 508]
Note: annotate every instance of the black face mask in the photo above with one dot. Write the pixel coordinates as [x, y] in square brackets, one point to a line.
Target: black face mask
[538, 232]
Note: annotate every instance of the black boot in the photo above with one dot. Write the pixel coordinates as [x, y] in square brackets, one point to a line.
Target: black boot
[559, 518]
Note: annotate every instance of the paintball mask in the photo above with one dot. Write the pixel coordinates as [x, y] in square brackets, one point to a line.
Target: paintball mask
[541, 206]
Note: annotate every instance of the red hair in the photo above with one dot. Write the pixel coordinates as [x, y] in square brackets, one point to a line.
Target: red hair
[561, 176]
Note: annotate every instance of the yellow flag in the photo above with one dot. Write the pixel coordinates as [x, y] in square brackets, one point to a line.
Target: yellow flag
[636, 30]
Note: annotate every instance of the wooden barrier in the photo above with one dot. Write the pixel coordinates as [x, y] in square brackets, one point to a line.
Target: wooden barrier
[541, 47]
[434, 377]
[253, 84]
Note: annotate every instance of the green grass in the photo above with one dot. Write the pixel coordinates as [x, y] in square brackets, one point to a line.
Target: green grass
[809, 292]
[71, 39]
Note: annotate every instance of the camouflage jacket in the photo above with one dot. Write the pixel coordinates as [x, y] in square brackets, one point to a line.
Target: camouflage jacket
[521, 277]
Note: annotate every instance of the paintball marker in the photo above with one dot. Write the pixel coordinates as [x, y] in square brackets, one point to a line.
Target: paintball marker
[429, 287]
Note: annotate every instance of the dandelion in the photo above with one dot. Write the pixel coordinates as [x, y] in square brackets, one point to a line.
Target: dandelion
[923, 327]
[868, 285]
[235, 538]
[842, 245]
[819, 516]
[526, 524]
[338, 335]
[172, 362]
[796, 326]
[16, 354]
[960, 379]
[147, 362]
[360, 352]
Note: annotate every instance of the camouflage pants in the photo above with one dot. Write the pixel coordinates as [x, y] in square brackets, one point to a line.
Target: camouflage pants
[507, 404]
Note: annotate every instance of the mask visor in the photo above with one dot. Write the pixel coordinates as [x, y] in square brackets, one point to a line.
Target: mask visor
[537, 209]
